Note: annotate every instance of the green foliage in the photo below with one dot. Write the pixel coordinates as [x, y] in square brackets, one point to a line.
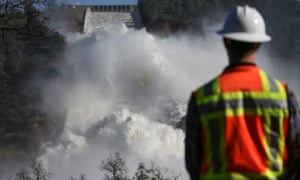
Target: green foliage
[27, 46]
[150, 11]
[26, 41]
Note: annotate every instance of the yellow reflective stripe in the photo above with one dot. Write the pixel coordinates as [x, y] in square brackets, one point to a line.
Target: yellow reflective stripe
[265, 81]
[272, 85]
[248, 112]
[273, 126]
[246, 176]
[282, 90]
[208, 91]
[249, 103]
[277, 141]
[274, 142]
[241, 95]
[258, 95]
[215, 145]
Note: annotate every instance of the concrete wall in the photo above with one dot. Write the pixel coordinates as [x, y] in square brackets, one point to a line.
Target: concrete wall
[113, 8]
[100, 18]
[109, 8]
[95, 16]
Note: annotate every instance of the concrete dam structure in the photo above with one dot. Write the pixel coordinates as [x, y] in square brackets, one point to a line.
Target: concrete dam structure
[99, 16]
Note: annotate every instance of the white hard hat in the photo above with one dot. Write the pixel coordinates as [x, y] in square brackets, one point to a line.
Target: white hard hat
[245, 24]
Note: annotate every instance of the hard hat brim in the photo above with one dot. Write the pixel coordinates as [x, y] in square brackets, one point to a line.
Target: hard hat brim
[245, 37]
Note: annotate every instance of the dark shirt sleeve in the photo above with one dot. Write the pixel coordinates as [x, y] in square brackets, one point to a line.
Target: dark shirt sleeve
[293, 136]
[193, 140]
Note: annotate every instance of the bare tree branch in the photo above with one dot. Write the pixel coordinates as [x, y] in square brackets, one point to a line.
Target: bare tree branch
[114, 167]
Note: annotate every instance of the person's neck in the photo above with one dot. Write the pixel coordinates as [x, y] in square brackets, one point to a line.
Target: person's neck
[249, 58]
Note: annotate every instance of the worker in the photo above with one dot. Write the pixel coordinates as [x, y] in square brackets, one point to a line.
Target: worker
[243, 124]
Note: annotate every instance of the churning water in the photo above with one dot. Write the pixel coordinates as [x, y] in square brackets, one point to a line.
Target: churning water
[123, 90]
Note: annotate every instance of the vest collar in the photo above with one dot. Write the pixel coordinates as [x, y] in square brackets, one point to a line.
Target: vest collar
[231, 66]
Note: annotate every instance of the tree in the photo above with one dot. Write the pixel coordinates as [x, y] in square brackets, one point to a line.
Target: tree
[24, 35]
[37, 172]
[141, 173]
[150, 11]
[23, 175]
[158, 173]
[27, 46]
[153, 173]
[114, 167]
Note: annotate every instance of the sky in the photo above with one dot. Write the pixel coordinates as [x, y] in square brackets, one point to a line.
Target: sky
[97, 2]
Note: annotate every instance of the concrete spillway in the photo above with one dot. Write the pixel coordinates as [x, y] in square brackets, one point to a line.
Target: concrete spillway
[98, 19]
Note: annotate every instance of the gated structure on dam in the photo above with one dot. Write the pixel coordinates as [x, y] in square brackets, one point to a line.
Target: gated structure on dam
[98, 16]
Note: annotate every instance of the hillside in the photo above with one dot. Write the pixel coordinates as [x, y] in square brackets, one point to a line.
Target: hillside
[28, 47]
[163, 17]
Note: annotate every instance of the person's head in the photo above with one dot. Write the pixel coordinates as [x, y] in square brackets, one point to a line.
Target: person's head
[243, 32]
[237, 50]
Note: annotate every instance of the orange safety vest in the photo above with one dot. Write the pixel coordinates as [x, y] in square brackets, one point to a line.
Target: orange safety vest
[244, 120]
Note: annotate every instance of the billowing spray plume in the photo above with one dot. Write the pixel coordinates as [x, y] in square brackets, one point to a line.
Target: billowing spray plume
[123, 91]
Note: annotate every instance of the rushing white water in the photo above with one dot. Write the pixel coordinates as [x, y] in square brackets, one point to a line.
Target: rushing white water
[122, 91]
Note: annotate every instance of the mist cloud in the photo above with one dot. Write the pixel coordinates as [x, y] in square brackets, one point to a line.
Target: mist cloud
[121, 90]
